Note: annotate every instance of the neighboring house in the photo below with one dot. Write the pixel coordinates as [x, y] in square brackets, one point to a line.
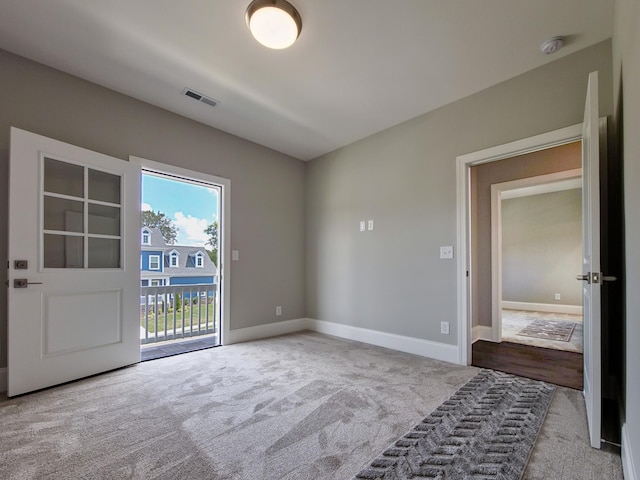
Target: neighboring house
[162, 264]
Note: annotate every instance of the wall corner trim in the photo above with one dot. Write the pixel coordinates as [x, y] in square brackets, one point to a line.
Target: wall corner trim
[628, 464]
[265, 331]
[482, 332]
[3, 379]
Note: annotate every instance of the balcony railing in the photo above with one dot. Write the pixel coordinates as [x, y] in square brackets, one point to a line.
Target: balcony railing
[173, 312]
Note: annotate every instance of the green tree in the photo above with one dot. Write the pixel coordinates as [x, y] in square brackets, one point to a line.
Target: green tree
[160, 221]
[212, 233]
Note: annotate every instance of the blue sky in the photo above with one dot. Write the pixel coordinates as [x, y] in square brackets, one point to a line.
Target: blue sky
[191, 207]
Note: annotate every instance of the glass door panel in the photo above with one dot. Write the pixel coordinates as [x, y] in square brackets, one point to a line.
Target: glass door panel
[63, 251]
[63, 178]
[104, 187]
[104, 220]
[63, 215]
[104, 253]
[81, 217]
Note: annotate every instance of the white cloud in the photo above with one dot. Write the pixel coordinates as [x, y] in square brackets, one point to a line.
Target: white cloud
[191, 229]
[146, 207]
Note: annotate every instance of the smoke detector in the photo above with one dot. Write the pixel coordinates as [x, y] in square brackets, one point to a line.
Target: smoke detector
[552, 45]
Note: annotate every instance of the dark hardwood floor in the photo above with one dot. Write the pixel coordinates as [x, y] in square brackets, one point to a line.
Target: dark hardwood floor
[553, 366]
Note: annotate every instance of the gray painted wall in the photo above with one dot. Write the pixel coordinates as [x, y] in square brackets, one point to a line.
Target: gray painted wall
[391, 279]
[542, 248]
[267, 188]
[551, 160]
[626, 48]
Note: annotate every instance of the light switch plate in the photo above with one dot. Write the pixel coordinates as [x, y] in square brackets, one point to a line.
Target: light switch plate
[370, 225]
[235, 255]
[446, 252]
[363, 225]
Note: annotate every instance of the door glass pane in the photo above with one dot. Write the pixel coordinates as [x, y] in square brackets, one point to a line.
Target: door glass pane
[63, 177]
[63, 251]
[104, 253]
[63, 215]
[104, 187]
[104, 220]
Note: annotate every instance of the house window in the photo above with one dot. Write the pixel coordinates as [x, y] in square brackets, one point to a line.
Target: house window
[199, 260]
[173, 259]
[157, 282]
[154, 262]
[146, 237]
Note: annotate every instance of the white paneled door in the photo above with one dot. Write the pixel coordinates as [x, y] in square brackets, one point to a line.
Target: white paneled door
[591, 276]
[73, 288]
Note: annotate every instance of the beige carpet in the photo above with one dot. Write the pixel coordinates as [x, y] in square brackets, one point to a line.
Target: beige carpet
[303, 406]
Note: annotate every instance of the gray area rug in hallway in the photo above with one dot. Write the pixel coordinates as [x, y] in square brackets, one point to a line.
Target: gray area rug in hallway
[486, 430]
[549, 330]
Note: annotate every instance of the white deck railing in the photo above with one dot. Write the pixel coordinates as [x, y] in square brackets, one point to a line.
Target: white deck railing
[173, 312]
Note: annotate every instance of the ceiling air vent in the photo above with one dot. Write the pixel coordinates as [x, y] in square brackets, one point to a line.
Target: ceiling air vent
[212, 102]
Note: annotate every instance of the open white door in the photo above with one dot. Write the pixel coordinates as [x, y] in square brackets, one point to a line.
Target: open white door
[591, 275]
[73, 293]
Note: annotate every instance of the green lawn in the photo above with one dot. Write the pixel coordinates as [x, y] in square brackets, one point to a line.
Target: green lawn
[180, 316]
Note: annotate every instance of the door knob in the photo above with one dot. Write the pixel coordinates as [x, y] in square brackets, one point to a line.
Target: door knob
[23, 283]
[596, 278]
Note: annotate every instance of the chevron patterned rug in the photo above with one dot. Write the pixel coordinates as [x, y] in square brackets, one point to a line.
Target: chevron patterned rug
[486, 430]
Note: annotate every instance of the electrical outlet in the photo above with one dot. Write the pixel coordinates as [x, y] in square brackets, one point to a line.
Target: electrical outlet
[278, 310]
[444, 328]
[235, 255]
[557, 296]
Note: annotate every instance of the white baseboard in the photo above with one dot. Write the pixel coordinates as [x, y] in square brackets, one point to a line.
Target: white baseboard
[425, 348]
[3, 379]
[628, 465]
[481, 332]
[543, 307]
[266, 331]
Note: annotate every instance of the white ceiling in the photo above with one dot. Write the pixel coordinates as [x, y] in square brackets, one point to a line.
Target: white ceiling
[359, 66]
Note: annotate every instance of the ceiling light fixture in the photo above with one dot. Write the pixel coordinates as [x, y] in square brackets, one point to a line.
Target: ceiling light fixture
[274, 23]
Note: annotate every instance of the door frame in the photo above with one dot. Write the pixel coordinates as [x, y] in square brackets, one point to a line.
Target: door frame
[224, 233]
[463, 207]
[497, 191]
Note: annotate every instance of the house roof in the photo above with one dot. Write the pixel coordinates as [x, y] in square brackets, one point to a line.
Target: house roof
[357, 68]
[156, 238]
[186, 256]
